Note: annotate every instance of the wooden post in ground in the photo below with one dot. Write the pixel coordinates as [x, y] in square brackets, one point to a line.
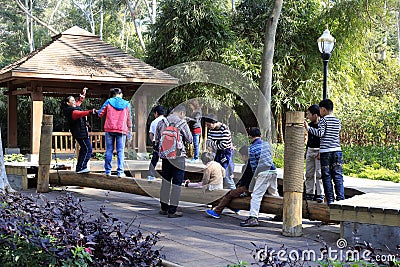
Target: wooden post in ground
[293, 174]
[45, 154]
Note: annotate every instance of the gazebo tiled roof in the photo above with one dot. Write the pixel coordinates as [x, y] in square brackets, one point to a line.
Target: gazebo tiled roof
[78, 55]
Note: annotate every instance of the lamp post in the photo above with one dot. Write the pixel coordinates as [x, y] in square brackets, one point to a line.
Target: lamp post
[326, 42]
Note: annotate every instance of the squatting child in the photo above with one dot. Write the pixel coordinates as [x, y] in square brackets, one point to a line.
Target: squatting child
[213, 175]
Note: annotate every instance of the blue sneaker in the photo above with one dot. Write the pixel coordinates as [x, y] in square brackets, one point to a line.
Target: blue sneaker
[213, 214]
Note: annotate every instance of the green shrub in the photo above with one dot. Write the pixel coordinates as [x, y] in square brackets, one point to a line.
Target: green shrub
[100, 156]
[14, 158]
[37, 232]
[372, 162]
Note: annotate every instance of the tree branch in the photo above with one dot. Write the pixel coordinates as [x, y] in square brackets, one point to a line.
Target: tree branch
[22, 7]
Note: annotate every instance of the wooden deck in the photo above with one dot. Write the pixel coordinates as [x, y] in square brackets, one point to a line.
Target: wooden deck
[370, 208]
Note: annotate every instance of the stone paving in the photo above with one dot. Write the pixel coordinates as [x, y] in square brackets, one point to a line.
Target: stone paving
[197, 240]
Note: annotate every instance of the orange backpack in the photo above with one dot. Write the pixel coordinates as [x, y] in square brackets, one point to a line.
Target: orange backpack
[171, 142]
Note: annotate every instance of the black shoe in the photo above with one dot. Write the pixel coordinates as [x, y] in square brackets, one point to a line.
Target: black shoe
[277, 218]
[163, 212]
[320, 198]
[175, 215]
[309, 197]
[250, 222]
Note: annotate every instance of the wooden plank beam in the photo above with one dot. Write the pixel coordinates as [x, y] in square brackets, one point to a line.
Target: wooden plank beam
[269, 204]
[381, 218]
[23, 91]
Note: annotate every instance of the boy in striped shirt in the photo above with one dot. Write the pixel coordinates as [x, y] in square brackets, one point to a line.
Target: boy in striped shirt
[330, 151]
[219, 141]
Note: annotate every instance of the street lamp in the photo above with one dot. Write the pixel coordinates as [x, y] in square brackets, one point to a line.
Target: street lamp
[325, 45]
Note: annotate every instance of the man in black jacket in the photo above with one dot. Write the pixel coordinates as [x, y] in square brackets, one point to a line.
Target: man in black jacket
[242, 187]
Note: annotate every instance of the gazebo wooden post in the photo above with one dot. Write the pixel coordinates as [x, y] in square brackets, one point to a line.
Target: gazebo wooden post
[140, 121]
[12, 131]
[36, 118]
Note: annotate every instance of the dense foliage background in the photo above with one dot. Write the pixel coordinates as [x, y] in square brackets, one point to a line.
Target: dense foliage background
[364, 70]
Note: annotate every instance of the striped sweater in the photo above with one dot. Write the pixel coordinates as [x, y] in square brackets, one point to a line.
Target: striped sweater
[328, 129]
[260, 157]
[219, 139]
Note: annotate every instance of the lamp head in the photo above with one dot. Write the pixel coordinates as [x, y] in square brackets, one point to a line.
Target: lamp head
[326, 42]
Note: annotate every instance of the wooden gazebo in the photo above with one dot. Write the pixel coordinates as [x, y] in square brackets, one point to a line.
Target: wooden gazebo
[74, 59]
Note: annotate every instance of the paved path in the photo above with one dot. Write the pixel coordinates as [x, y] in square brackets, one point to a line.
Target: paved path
[197, 240]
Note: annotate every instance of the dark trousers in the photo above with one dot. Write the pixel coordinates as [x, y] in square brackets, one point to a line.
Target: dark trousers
[331, 170]
[173, 172]
[154, 161]
[226, 200]
[224, 157]
[85, 153]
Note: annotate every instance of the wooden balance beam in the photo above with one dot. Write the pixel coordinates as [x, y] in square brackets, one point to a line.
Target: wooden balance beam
[269, 204]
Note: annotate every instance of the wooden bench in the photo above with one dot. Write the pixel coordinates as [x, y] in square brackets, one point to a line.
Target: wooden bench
[21, 175]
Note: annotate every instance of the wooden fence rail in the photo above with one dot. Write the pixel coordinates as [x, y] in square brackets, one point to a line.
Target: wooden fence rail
[64, 143]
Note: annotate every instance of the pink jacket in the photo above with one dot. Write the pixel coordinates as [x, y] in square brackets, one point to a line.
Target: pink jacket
[118, 115]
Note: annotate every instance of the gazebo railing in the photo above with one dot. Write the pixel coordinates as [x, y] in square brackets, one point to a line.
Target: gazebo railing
[63, 142]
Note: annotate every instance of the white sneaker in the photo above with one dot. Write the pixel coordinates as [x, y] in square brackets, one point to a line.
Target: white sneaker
[122, 175]
[86, 170]
[151, 178]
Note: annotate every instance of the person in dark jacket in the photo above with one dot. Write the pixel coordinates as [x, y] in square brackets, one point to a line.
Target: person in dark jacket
[242, 187]
[194, 122]
[76, 118]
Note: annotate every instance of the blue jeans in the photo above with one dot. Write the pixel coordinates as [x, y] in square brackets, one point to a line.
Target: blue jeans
[119, 140]
[173, 173]
[153, 162]
[196, 149]
[85, 153]
[224, 157]
[331, 169]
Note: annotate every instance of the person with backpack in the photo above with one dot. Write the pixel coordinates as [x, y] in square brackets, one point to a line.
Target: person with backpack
[118, 126]
[159, 112]
[172, 134]
[77, 124]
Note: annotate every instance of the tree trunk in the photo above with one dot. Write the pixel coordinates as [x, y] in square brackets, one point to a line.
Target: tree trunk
[264, 108]
[4, 184]
[101, 22]
[54, 12]
[135, 22]
[398, 34]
